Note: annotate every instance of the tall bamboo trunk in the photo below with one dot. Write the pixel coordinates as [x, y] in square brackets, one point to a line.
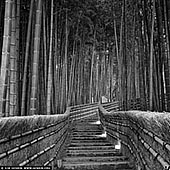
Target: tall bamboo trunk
[55, 82]
[167, 62]
[64, 92]
[78, 99]
[49, 83]
[120, 58]
[45, 49]
[17, 49]
[26, 60]
[33, 102]
[132, 60]
[7, 100]
[161, 54]
[13, 65]
[151, 58]
[5, 54]
[2, 14]
[91, 69]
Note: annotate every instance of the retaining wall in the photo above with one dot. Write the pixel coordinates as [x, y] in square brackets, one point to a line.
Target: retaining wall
[32, 140]
[145, 136]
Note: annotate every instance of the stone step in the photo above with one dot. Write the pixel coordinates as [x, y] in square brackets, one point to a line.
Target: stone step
[85, 129]
[88, 141]
[116, 165]
[89, 151]
[87, 122]
[85, 125]
[91, 147]
[90, 144]
[85, 117]
[89, 130]
[73, 153]
[86, 133]
[91, 121]
[92, 118]
[96, 159]
[88, 117]
[88, 138]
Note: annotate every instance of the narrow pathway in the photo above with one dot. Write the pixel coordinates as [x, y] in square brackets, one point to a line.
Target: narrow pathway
[89, 149]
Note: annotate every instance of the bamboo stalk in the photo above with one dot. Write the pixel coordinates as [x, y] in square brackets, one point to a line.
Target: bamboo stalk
[5, 54]
[26, 60]
[161, 54]
[151, 59]
[120, 57]
[91, 70]
[17, 50]
[167, 78]
[45, 47]
[64, 92]
[2, 12]
[33, 101]
[56, 69]
[7, 100]
[49, 83]
[65, 60]
[13, 64]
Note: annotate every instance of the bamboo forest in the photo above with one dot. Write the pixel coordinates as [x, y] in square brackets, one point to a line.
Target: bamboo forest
[85, 84]
[55, 54]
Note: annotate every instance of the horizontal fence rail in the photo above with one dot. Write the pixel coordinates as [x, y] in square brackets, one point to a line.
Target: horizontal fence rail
[140, 132]
[117, 106]
[83, 106]
[32, 140]
[82, 111]
[111, 106]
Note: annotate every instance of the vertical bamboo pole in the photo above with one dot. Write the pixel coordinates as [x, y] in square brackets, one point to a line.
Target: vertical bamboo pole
[167, 78]
[17, 50]
[36, 59]
[2, 13]
[45, 47]
[120, 58]
[7, 100]
[49, 83]
[151, 59]
[26, 60]
[91, 70]
[5, 54]
[56, 67]
[97, 79]
[64, 75]
[13, 64]
[65, 59]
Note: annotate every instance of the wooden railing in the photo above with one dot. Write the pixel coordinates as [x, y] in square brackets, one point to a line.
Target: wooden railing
[112, 106]
[82, 111]
[144, 136]
[33, 140]
[40, 140]
[116, 105]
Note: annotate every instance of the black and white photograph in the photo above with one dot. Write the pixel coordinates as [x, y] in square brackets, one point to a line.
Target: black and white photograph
[84, 84]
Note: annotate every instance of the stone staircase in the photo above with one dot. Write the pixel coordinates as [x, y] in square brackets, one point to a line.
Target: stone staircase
[89, 149]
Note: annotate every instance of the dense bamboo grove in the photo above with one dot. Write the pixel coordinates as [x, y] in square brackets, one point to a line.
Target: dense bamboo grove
[54, 54]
